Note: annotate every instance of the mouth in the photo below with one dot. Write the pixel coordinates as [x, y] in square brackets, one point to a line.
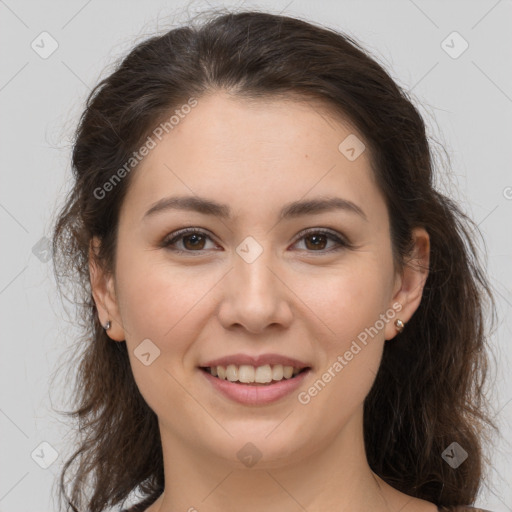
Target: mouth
[255, 380]
[265, 375]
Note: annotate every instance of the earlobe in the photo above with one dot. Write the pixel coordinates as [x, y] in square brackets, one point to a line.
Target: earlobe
[411, 281]
[103, 292]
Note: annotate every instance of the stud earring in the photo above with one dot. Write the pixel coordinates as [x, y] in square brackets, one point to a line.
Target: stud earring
[107, 325]
[399, 325]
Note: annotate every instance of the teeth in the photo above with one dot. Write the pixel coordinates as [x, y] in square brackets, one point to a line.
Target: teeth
[263, 374]
[246, 373]
[231, 372]
[249, 374]
[277, 372]
[287, 372]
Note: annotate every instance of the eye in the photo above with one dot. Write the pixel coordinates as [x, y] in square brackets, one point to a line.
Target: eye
[194, 240]
[319, 238]
[191, 238]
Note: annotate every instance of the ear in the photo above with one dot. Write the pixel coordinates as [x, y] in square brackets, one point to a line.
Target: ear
[103, 291]
[409, 284]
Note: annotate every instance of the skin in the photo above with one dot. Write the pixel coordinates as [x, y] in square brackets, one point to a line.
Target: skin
[294, 299]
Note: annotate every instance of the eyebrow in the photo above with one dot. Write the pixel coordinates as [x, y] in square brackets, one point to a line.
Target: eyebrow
[289, 211]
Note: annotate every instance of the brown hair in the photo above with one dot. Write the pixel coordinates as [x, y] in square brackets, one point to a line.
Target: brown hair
[429, 391]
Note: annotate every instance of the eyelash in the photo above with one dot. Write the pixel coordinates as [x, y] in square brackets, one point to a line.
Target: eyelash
[178, 235]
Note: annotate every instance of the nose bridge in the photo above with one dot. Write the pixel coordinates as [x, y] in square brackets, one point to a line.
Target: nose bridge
[255, 296]
[253, 274]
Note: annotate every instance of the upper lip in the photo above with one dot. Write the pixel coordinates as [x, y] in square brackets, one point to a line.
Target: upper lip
[260, 360]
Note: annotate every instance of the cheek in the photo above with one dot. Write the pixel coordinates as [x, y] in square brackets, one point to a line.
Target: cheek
[333, 397]
[162, 303]
[351, 355]
[349, 306]
[347, 300]
[155, 296]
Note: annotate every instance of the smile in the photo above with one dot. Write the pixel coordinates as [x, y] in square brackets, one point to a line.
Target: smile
[278, 382]
[255, 375]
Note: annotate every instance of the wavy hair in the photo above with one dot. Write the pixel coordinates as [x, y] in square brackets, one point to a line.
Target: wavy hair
[430, 388]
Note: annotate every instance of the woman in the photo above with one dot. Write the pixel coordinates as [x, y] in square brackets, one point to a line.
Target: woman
[282, 312]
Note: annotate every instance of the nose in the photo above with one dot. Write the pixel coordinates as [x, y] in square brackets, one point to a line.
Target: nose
[255, 296]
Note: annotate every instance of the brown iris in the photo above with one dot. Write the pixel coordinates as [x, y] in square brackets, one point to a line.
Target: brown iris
[196, 241]
[315, 244]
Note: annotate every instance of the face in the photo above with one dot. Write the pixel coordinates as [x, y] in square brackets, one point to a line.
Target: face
[312, 289]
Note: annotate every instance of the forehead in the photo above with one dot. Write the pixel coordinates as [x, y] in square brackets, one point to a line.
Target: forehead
[254, 153]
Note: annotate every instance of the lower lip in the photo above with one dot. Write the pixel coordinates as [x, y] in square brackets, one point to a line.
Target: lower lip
[256, 395]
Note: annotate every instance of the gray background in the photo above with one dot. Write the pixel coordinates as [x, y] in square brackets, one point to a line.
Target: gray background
[466, 101]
